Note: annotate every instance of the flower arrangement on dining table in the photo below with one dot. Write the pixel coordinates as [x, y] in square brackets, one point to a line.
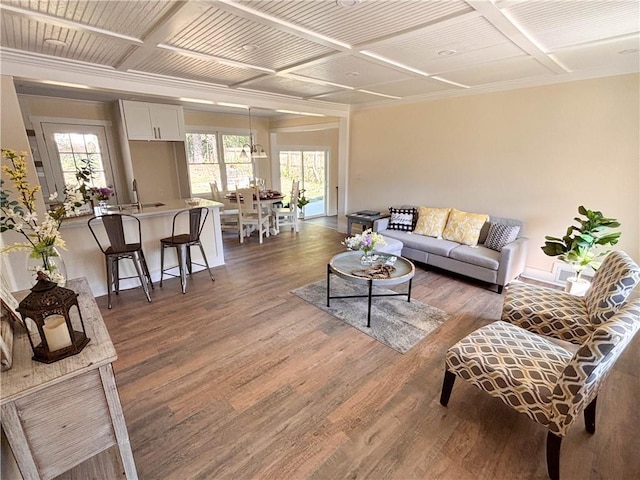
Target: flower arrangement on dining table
[42, 235]
[365, 242]
[102, 194]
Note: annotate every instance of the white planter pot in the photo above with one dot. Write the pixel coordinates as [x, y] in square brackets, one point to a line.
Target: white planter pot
[577, 286]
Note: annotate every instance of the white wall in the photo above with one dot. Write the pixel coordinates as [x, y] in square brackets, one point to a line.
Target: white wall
[535, 154]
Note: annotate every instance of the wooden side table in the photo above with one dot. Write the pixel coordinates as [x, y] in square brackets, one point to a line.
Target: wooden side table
[363, 219]
[56, 416]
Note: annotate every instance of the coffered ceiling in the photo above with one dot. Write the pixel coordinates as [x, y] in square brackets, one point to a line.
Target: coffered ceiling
[339, 54]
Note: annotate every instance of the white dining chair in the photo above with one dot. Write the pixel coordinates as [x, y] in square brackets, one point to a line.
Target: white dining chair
[251, 214]
[288, 217]
[228, 214]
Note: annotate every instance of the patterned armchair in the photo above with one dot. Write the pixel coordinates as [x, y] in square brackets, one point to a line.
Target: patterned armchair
[561, 315]
[539, 378]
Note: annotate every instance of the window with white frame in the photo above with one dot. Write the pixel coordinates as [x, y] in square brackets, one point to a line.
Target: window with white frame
[70, 147]
[216, 156]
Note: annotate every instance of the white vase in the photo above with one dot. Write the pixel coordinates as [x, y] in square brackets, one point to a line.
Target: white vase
[577, 286]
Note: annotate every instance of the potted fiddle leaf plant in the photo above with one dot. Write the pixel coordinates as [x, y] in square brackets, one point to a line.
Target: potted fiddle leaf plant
[578, 246]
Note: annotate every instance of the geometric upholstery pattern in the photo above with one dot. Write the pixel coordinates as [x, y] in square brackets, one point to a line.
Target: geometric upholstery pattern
[547, 311]
[555, 313]
[510, 363]
[611, 285]
[539, 378]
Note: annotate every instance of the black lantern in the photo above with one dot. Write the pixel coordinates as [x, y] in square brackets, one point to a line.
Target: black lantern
[49, 306]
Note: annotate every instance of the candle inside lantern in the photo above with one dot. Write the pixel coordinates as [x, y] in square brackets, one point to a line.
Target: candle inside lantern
[56, 332]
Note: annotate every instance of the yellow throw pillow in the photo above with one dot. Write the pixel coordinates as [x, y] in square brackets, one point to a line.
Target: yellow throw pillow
[431, 221]
[464, 227]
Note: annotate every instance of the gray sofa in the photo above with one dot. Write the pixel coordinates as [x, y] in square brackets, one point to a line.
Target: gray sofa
[482, 263]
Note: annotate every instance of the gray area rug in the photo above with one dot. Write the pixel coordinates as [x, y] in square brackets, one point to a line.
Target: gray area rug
[394, 322]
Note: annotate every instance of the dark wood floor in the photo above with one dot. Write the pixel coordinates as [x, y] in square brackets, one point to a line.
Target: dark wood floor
[240, 379]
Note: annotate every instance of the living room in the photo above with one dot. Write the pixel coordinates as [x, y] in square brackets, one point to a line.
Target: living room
[533, 151]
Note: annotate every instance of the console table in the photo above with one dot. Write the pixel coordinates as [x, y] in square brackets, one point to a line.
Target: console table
[56, 416]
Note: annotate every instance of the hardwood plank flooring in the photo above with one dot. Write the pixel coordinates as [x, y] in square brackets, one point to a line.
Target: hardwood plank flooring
[241, 379]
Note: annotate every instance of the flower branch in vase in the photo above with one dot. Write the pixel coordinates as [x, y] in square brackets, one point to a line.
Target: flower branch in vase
[366, 243]
[42, 236]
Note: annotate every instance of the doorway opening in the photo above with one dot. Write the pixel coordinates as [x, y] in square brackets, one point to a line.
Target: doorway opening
[309, 167]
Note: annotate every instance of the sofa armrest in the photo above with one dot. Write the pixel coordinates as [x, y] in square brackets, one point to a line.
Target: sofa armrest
[380, 224]
[512, 260]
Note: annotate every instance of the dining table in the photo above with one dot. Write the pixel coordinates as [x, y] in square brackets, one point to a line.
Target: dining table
[269, 198]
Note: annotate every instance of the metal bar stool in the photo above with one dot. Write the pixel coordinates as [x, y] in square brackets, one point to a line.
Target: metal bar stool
[183, 243]
[118, 250]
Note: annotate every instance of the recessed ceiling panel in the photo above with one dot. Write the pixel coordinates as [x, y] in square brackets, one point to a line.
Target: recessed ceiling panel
[498, 72]
[438, 48]
[624, 53]
[22, 33]
[223, 34]
[413, 86]
[351, 71]
[289, 86]
[361, 23]
[180, 66]
[127, 18]
[562, 23]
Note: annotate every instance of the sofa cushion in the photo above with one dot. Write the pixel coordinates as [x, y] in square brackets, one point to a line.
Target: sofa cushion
[464, 227]
[500, 234]
[437, 246]
[480, 256]
[431, 221]
[403, 219]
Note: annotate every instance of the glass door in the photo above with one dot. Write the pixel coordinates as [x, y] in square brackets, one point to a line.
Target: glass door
[310, 168]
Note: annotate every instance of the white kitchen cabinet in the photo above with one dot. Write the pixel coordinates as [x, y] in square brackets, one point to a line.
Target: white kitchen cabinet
[153, 121]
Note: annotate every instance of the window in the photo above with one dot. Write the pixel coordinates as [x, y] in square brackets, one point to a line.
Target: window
[68, 147]
[202, 154]
[216, 157]
[74, 149]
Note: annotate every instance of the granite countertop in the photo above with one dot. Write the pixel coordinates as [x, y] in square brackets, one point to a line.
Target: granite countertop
[168, 207]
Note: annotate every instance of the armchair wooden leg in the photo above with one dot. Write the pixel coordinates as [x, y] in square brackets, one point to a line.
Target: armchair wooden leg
[590, 416]
[553, 455]
[447, 387]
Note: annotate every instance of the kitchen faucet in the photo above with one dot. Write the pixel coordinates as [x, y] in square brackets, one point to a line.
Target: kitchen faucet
[135, 189]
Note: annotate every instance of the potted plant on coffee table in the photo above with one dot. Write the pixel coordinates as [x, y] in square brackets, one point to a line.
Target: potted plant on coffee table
[577, 247]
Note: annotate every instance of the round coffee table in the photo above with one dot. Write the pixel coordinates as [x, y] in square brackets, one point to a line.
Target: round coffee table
[343, 264]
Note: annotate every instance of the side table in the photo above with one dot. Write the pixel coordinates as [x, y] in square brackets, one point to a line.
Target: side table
[56, 416]
[366, 220]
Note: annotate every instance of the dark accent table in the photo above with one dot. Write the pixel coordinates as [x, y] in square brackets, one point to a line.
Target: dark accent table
[363, 219]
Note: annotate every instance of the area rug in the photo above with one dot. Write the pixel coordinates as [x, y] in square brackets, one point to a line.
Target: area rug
[394, 322]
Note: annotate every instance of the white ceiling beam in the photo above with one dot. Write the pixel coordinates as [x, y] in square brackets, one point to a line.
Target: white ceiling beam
[516, 34]
[176, 19]
[61, 22]
[39, 67]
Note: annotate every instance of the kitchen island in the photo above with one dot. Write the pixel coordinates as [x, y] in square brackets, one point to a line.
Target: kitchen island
[83, 258]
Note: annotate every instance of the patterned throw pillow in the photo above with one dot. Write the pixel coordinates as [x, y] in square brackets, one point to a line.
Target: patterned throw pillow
[464, 227]
[500, 234]
[431, 221]
[402, 219]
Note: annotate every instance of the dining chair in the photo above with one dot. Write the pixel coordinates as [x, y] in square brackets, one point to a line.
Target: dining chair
[251, 213]
[288, 217]
[183, 242]
[120, 249]
[228, 214]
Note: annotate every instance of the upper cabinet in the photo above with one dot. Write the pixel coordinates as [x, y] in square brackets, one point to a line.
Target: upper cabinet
[152, 121]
